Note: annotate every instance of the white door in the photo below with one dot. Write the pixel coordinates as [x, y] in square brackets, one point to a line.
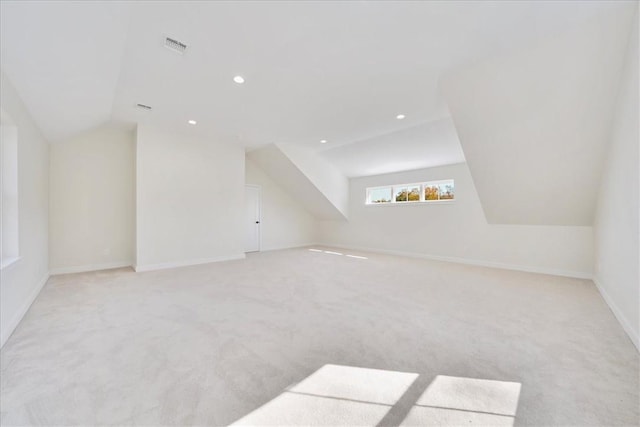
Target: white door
[252, 218]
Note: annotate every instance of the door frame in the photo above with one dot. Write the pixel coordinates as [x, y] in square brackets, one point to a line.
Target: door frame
[259, 188]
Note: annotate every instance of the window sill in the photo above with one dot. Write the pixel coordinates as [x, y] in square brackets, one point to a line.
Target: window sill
[416, 203]
[8, 262]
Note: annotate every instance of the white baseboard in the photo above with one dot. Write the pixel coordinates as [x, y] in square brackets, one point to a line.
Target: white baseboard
[163, 266]
[626, 325]
[90, 267]
[481, 263]
[281, 248]
[8, 329]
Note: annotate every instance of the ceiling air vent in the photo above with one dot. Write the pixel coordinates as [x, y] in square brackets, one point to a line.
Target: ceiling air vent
[143, 106]
[175, 45]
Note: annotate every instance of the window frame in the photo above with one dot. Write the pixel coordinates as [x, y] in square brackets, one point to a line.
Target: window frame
[421, 185]
[407, 187]
[9, 193]
[369, 190]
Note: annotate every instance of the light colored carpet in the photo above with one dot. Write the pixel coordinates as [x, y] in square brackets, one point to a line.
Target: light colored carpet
[378, 341]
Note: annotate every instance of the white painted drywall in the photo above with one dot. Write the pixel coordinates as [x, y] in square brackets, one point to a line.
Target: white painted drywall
[616, 228]
[534, 124]
[458, 230]
[91, 201]
[9, 249]
[70, 89]
[284, 222]
[189, 200]
[324, 175]
[426, 145]
[291, 178]
[21, 281]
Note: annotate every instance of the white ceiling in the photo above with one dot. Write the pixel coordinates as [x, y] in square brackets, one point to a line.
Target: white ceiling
[293, 179]
[339, 71]
[64, 60]
[422, 146]
[535, 124]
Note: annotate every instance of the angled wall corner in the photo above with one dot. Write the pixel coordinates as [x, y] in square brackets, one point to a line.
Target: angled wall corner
[534, 124]
[285, 222]
[24, 278]
[310, 179]
[617, 223]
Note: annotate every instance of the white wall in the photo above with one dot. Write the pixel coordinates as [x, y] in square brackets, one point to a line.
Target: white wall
[616, 229]
[21, 281]
[91, 201]
[457, 231]
[291, 177]
[284, 222]
[324, 175]
[189, 200]
[9, 235]
[534, 123]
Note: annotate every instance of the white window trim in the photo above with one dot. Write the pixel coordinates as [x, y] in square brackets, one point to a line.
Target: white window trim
[422, 201]
[368, 191]
[407, 186]
[8, 262]
[9, 212]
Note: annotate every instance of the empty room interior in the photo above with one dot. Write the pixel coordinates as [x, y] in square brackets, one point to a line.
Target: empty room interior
[329, 213]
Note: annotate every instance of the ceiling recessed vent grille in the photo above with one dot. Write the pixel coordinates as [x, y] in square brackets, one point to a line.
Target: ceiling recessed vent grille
[143, 106]
[175, 45]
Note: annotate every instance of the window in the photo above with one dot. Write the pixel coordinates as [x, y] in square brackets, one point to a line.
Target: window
[379, 195]
[9, 192]
[434, 191]
[445, 191]
[407, 193]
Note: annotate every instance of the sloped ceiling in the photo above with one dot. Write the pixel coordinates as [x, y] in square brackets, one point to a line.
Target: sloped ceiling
[529, 84]
[300, 180]
[422, 146]
[339, 71]
[64, 59]
[534, 124]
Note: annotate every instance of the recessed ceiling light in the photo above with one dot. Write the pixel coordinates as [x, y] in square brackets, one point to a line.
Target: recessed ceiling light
[192, 122]
[323, 141]
[400, 116]
[238, 79]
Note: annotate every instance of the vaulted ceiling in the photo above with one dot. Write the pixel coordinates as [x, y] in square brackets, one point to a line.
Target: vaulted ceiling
[334, 71]
[339, 71]
[535, 124]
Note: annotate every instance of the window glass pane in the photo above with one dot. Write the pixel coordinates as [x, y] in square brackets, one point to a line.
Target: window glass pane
[431, 192]
[414, 194]
[8, 193]
[380, 195]
[402, 194]
[446, 191]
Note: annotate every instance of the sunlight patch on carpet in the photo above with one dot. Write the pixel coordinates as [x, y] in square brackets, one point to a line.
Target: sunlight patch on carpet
[334, 395]
[457, 401]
